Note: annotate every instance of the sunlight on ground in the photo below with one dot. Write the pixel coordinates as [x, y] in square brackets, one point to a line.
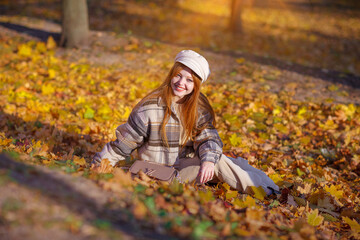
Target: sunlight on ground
[291, 31]
[213, 7]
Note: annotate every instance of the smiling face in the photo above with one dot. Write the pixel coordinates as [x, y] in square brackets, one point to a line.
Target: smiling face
[182, 83]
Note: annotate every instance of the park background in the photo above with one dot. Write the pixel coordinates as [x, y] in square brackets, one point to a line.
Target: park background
[284, 87]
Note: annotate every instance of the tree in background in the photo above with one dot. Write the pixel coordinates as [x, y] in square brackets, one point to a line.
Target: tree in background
[75, 23]
[235, 23]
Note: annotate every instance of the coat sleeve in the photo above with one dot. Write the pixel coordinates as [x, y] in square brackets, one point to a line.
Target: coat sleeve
[207, 143]
[129, 136]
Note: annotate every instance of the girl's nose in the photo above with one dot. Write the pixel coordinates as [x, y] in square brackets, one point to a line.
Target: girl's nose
[182, 80]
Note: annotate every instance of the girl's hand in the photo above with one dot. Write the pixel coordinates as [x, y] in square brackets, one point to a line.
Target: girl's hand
[206, 172]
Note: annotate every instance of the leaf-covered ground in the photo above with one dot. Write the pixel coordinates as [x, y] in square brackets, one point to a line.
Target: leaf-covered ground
[58, 107]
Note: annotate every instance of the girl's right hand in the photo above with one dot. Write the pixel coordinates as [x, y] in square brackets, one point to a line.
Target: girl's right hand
[206, 172]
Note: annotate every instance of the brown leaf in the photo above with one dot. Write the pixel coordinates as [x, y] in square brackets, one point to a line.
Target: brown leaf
[104, 167]
[139, 210]
[217, 211]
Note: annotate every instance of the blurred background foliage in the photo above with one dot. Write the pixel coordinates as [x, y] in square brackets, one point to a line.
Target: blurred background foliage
[316, 33]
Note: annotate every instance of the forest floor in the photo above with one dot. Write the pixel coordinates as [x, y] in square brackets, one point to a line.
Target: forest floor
[300, 124]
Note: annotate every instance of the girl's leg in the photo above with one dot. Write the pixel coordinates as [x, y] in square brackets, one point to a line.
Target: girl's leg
[188, 169]
[235, 172]
[240, 175]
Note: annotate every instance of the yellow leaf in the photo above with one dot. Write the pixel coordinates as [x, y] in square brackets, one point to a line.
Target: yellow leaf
[89, 113]
[349, 110]
[126, 114]
[6, 141]
[80, 100]
[25, 51]
[281, 128]
[72, 128]
[354, 226]
[47, 89]
[41, 47]
[50, 44]
[248, 202]
[105, 111]
[301, 111]
[305, 140]
[242, 232]
[79, 161]
[231, 194]
[257, 192]
[150, 84]
[240, 60]
[276, 178]
[206, 197]
[333, 88]
[226, 186]
[276, 111]
[51, 73]
[314, 219]
[329, 124]
[334, 191]
[235, 140]
[132, 93]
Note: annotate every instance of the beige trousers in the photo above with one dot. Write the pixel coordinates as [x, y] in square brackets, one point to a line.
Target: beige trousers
[234, 171]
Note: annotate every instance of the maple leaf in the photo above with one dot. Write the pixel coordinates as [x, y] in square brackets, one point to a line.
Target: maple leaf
[25, 50]
[354, 226]
[257, 192]
[278, 180]
[235, 140]
[314, 219]
[89, 113]
[335, 191]
[47, 89]
[230, 194]
[206, 196]
[104, 167]
[79, 161]
[248, 202]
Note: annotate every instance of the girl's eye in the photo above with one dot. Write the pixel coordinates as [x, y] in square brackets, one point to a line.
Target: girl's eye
[189, 80]
[178, 75]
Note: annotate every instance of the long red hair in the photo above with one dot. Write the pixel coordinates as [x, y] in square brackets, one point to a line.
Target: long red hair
[189, 105]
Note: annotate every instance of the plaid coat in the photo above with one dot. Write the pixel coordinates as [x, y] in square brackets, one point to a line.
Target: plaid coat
[142, 132]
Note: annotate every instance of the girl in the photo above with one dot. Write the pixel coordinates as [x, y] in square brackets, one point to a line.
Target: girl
[174, 126]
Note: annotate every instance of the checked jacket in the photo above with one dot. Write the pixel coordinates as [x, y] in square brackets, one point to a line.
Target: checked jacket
[142, 132]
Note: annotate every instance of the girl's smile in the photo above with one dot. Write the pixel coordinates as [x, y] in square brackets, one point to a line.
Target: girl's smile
[182, 83]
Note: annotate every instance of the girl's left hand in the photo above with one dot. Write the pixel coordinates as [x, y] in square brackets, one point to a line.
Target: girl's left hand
[206, 172]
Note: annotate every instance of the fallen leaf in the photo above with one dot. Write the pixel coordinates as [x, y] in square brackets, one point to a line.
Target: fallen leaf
[314, 219]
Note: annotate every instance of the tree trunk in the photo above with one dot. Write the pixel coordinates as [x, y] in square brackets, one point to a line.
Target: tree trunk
[75, 24]
[235, 24]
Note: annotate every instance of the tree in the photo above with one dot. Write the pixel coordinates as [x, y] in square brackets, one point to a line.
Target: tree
[75, 23]
[235, 23]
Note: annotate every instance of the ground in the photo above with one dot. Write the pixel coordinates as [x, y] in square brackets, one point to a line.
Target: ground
[39, 202]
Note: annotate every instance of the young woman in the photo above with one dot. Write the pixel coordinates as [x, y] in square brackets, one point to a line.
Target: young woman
[174, 126]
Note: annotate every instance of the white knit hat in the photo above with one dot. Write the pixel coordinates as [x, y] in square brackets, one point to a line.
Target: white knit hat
[195, 62]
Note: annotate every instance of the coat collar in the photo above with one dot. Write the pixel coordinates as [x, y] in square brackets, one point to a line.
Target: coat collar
[173, 107]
